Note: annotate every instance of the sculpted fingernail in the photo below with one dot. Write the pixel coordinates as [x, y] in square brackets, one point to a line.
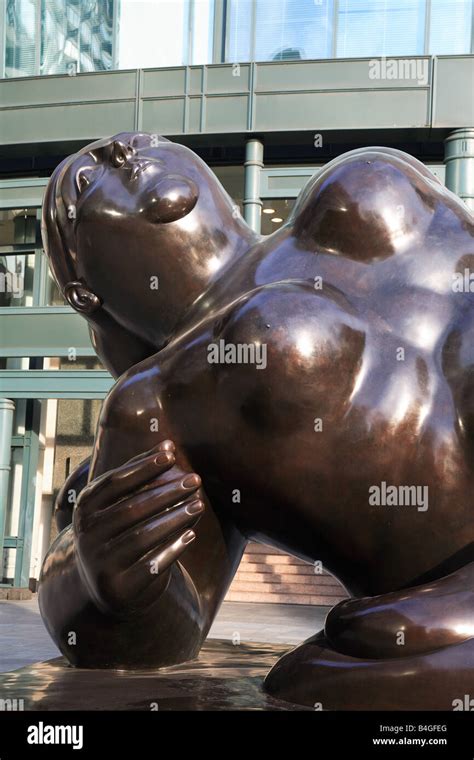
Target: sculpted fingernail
[163, 457]
[191, 481]
[188, 537]
[195, 508]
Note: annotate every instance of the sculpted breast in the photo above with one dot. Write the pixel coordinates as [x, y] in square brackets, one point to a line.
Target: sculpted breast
[310, 348]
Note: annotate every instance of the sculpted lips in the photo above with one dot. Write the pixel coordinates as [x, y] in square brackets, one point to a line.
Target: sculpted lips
[140, 166]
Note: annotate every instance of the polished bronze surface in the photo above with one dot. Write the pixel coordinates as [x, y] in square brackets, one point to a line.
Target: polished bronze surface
[319, 380]
[223, 677]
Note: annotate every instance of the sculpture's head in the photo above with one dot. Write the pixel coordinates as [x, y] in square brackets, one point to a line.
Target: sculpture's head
[136, 228]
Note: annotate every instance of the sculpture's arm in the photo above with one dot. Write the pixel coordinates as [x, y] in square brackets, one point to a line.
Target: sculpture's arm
[101, 599]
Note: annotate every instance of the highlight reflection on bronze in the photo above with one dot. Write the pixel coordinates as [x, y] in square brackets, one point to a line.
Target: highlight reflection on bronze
[338, 426]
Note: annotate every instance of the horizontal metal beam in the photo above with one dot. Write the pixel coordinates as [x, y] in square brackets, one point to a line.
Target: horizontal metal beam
[12, 542]
[22, 193]
[275, 96]
[43, 331]
[39, 384]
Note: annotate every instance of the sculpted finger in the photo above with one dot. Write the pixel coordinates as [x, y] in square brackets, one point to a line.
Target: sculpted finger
[128, 513]
[148, 574]
[119, 483]
[134, 544]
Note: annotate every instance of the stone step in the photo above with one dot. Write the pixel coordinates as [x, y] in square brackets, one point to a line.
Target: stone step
[285, 567]
[254, 548]
[307, 580]
[282, 588]
[278, 594]
[280, 559]
[263, 567]
[263, 596]
[268, 575]
[15, 593]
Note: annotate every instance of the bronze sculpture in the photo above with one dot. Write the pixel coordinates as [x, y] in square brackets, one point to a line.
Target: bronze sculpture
[351, 447]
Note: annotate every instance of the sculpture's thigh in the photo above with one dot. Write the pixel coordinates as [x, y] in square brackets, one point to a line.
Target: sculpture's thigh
[408, 650]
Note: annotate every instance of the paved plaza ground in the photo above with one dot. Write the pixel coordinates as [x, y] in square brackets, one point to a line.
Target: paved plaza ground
[24, 639]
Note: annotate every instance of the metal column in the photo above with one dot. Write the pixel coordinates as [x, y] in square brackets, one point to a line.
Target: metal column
[7, 408]
[459, 160]
[253, 167]
[31, 449]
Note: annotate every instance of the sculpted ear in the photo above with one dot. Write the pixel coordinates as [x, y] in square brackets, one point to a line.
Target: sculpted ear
[170, 199]
[81, 298]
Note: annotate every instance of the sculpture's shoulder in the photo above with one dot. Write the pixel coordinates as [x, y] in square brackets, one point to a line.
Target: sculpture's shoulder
[282, 306]
[375, 203]
[133, 395]
[279, 341]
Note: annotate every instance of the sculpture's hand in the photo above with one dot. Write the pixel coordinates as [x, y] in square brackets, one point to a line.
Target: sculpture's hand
[131, 524]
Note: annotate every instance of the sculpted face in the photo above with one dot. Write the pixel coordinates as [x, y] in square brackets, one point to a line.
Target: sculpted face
[136, 227]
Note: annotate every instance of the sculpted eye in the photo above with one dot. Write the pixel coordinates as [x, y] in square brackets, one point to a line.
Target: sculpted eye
[121, 153]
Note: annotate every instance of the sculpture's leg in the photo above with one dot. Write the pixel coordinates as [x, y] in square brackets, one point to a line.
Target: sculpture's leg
[408, 650]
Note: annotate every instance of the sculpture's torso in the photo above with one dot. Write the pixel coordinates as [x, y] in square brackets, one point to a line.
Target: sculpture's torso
[365, 383]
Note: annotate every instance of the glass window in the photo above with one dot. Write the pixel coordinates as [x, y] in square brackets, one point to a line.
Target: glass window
[18, 226]
[69, 36]
[380, 27]
[66, 26]
[203, 31]
[284, 30]
[67, 29]
[152, 34]
[239, 44]
[16, 279]
[293, 29]
[275, 213]
[451, 27]
[86, 35]
[21, 39]
[232, 179]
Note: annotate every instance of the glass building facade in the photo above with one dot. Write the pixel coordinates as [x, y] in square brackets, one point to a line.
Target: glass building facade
[68, 36]
[57, 36]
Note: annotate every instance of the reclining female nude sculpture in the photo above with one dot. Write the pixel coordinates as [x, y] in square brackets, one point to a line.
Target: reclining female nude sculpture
[319, 381]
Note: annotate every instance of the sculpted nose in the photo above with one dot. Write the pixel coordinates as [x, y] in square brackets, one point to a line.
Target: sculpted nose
[121, 153]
